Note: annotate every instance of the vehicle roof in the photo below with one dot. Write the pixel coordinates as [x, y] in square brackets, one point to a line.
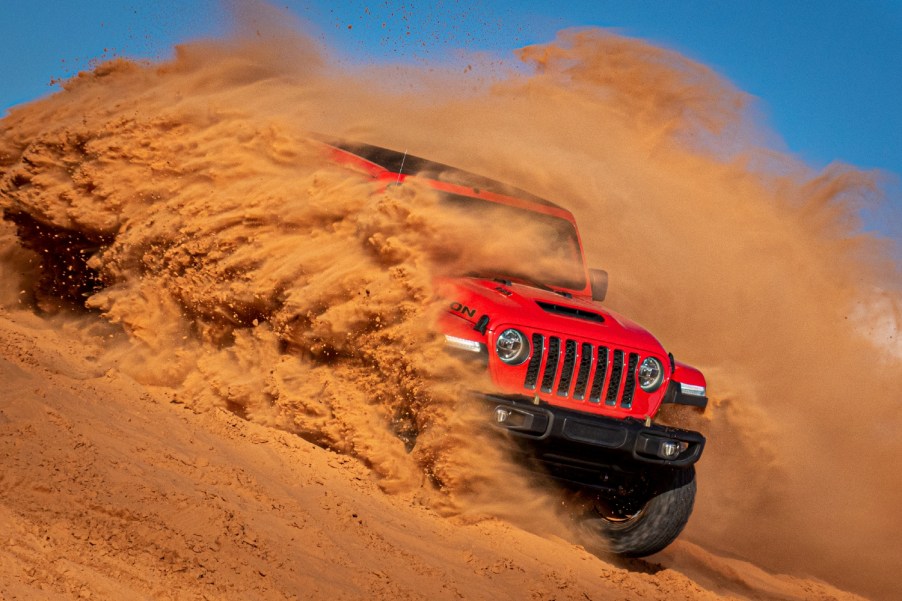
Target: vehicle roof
[406, 164]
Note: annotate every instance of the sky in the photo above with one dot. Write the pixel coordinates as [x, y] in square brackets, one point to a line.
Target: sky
[826, 75]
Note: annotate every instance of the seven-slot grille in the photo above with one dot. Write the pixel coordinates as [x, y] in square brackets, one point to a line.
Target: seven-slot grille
[576, 369]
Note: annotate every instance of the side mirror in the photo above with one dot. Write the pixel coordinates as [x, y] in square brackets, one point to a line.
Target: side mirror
[598, 278]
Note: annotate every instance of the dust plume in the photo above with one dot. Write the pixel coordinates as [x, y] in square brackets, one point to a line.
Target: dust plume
[184, 201]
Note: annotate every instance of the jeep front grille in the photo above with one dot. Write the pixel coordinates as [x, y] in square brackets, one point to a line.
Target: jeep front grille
[582, 371]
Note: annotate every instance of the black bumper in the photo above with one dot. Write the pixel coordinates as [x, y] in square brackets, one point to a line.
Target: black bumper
[571, 437]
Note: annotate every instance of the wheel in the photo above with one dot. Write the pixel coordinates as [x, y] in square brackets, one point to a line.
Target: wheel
[642, 523]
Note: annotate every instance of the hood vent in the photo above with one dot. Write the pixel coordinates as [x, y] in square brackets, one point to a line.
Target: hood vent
[571, 312]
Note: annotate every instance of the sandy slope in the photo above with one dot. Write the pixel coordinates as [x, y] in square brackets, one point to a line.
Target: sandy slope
[110, 490]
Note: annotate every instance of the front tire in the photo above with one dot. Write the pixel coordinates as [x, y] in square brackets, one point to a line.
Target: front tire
[649, 526]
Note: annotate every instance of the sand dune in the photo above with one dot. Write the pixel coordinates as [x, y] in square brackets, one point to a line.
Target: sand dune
[115, 490]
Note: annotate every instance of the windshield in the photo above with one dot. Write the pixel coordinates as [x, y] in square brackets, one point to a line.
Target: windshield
[499, 240]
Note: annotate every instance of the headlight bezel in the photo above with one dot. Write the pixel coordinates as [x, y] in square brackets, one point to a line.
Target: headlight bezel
[654, 377]
[511, 355]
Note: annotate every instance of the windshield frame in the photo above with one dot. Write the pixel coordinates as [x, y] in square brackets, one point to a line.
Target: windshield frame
[533, 211]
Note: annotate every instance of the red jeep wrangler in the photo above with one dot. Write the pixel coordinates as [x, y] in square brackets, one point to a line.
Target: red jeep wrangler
[576, 385]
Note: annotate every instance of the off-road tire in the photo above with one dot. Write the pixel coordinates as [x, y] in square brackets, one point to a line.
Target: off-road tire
[657, 524]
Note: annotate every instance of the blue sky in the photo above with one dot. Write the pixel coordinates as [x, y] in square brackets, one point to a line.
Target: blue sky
[826, 74]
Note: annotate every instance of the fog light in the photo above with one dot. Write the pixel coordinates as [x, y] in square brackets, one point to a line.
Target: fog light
[513, 419]
[670, 449]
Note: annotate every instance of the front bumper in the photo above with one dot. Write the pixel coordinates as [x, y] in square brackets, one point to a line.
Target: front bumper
[563, 436]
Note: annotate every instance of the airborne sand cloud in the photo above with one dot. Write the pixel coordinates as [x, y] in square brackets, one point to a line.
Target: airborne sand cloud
[246, 274]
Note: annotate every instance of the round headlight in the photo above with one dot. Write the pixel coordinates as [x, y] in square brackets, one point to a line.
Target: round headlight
[512, 347]
[651, 374]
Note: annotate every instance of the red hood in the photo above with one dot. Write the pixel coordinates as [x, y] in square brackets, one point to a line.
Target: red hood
[511, 303]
